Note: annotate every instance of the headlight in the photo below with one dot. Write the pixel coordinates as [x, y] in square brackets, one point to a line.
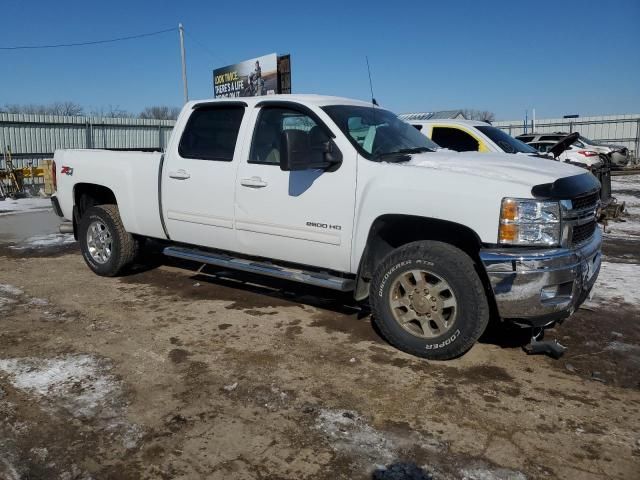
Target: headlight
[529, 222]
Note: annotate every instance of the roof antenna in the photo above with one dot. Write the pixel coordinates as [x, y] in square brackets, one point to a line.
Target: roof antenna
[373, 100]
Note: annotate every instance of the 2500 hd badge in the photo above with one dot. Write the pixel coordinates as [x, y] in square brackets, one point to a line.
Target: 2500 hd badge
[324, 225]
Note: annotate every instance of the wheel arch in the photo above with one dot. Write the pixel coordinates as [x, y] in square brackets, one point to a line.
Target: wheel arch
[87, 195]
[390, 231]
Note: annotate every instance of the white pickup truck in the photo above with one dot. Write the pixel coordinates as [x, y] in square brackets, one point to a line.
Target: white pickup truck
[342, 194]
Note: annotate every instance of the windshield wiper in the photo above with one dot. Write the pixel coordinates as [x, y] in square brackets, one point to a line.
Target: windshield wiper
[415, 150]
[403, 153]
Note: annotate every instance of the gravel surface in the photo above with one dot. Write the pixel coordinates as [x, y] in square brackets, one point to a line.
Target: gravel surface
[167, 374]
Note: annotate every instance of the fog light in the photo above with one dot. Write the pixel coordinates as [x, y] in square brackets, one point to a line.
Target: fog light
[558, 293]
[547, 293]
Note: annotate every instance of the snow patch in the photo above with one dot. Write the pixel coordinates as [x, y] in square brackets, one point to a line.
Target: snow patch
[629, 200]
[44, 241]
[8, 471]
[617, 283]
[435, 164]
[488, 474]
[8, 294]
[79, 383]
[12, 207]
[10, 290]
[38, 302]
[622, 347]
[349, 433]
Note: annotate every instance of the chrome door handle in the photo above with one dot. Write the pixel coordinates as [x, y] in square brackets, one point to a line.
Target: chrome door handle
[254, 182]
[179, 175]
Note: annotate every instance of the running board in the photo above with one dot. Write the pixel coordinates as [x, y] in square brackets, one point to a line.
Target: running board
[262, 268]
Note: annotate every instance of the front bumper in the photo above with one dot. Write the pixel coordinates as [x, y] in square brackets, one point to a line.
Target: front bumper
[538, 287]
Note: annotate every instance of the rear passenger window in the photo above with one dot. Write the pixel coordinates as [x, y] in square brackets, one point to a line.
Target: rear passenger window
[454, 139]
[211, 133]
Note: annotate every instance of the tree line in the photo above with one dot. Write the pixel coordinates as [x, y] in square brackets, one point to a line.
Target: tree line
[155, 112]
[481, 115]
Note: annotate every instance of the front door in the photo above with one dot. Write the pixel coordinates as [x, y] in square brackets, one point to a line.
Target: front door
[198, 177]
[304, 216]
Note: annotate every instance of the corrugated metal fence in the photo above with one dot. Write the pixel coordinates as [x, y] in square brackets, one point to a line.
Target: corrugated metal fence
[615, 129]
[33, 138]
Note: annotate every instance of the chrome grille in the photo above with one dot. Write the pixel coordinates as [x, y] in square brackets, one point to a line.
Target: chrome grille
[582, 233]
[585, 202]
[579, 221]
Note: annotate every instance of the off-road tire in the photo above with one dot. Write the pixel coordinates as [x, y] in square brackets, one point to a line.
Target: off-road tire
[124, 246]
[458, 270]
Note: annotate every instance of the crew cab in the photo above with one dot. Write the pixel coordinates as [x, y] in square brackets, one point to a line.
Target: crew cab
[343, 194]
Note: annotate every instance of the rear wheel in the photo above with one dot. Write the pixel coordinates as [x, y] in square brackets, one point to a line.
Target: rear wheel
[428, 300]
[106, 246]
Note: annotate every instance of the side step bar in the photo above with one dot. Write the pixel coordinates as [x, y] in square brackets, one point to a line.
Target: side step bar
[262, 268]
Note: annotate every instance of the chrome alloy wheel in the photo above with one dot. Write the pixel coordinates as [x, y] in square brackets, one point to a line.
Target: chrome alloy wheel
[99, 242]
[423, 303]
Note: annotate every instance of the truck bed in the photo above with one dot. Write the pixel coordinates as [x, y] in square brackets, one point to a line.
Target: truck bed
[131, 175]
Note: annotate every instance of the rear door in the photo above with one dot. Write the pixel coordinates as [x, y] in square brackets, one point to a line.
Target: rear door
[198, 177]
[304, 216]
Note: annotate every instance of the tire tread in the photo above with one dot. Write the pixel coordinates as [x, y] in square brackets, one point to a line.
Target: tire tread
[466, 266]
[128, 245]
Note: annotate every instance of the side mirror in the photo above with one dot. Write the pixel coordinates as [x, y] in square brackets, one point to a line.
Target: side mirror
[297, 152]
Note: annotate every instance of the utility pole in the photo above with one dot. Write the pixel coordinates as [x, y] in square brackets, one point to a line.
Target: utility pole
[533, 122]
[184, 63]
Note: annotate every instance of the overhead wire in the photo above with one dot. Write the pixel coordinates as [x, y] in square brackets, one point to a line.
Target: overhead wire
[94, 42]
[201, 45]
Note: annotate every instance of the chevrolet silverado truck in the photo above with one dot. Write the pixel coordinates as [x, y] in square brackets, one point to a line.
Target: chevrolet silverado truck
[343, 194]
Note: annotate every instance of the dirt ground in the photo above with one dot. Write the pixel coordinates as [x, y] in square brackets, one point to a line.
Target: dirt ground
[168, 374]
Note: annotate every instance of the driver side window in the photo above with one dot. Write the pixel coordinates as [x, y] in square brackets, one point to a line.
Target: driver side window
[265, 147]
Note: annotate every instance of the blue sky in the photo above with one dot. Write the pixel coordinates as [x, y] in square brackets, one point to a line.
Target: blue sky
[560, 57]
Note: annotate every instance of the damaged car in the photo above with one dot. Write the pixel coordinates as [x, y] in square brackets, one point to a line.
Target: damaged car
[618, 155]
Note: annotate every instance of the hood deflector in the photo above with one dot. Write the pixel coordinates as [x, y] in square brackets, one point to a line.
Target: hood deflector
[567, 187]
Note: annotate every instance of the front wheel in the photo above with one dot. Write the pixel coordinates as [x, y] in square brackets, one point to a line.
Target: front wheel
[428, 300]
[106, 246]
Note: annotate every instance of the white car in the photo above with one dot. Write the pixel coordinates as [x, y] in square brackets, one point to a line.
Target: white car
[342, 194]
[573, 154]
[618, 155]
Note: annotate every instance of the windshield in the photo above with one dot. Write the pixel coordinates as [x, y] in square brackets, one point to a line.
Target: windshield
[505, 141]
[379, 134]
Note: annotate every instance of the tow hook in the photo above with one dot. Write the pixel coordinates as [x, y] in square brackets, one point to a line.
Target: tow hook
[539, 346]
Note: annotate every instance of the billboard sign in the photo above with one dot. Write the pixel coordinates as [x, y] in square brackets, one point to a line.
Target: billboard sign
[258, 76]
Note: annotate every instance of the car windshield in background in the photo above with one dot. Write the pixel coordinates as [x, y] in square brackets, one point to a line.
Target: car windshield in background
[505, 141]
[379, 134]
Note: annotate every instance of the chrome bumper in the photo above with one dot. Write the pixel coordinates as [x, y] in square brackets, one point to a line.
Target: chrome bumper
[538, 287]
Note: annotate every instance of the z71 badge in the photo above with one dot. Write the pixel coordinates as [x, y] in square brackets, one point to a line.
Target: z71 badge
[64, 170]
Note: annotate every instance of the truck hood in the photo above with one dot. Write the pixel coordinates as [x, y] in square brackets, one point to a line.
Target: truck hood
[522, 169]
